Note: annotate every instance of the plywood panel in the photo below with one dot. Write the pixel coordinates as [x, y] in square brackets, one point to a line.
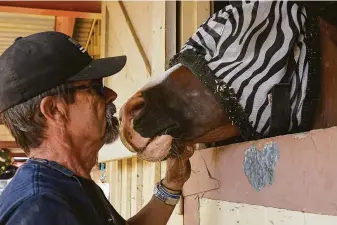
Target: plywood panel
[176, 218]
[149, 20]
[304, 176]
[120, 42]
[217, 212]
[141, 16]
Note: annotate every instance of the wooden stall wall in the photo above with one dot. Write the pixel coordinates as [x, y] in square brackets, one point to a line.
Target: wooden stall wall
[149, 33]
[131, 183]
[283, 180]
[146, 33]
[137, 30]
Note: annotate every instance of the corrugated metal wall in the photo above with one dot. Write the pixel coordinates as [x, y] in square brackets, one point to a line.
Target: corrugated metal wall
[13, 25]
[82, 30]
[131, 186]
[88, 33]
[94, 42]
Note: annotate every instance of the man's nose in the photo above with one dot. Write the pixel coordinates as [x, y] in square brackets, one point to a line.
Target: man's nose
[109, 95]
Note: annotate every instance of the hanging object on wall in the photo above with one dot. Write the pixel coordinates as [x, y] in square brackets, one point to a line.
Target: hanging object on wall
[260, 165]
[102, 168]
[5, 160]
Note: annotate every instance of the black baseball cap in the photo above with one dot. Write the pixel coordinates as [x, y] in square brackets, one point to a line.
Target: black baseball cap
[42, 61]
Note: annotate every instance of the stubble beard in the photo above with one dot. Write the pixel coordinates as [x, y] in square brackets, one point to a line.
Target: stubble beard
[112, 125]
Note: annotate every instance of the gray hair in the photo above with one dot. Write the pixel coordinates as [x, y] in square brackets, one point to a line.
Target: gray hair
[25, 122]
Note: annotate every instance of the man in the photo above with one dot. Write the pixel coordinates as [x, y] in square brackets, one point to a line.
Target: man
[53, 101]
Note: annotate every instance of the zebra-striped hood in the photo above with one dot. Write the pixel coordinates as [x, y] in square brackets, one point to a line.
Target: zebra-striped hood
[242, 52]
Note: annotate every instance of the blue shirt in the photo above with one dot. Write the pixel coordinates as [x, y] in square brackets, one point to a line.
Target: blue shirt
[44, 192]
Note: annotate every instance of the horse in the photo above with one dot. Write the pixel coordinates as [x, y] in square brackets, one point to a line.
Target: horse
[251, 70]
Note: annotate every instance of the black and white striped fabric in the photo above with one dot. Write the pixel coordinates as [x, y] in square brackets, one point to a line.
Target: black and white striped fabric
[252, 47]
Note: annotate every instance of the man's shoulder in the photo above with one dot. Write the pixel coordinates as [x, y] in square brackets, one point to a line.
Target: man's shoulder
[48, 208]
[31, 183]
[22, 186]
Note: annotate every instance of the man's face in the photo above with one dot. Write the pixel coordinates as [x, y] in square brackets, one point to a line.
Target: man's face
[91, 117]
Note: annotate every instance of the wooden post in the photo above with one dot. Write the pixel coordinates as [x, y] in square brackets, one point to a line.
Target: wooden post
[65, 25]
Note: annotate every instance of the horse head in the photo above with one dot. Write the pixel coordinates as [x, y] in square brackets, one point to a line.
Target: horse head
[174, 109]
[250, 70]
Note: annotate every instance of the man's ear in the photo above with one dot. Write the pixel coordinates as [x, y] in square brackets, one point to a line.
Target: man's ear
[54, 109]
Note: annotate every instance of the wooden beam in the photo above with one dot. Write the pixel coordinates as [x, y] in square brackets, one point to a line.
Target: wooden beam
[326, 108]
[65, 25]
[50, 12]
[104, 30]
[134, 36]
[192, 15]
[170, 31]
[8, 144]
[77, 6]
[90, 33]
[136, 185]
[17, 154]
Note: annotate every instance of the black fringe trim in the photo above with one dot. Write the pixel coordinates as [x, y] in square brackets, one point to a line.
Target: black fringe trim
[225, 95]
[312, 98]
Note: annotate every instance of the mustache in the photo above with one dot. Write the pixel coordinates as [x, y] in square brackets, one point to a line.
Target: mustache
[112, 124]
[110, 111]
[111, 108]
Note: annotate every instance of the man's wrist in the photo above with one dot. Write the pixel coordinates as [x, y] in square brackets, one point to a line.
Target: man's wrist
[173, 186]
[168, 196]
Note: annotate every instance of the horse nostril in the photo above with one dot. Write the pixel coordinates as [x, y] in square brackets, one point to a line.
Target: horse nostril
[136, 109]
[174, 131]
[132, 108]
[154, 120]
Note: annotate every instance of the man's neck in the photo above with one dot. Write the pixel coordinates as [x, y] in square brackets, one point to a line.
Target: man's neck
[80, 160]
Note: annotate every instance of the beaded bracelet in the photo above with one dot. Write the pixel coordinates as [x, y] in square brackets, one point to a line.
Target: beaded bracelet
[166, 195]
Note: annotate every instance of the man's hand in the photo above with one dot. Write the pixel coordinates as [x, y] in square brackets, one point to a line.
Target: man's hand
[178, 170]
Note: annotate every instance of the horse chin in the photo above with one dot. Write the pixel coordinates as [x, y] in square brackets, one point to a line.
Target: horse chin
[149, 149]
[157, 149]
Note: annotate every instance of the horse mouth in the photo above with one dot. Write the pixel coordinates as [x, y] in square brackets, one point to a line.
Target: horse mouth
[154, 149]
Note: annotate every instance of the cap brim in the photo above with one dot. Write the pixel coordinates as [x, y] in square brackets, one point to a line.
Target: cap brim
[100, 68]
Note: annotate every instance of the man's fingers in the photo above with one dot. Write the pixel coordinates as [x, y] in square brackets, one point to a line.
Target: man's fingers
[188, 152]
